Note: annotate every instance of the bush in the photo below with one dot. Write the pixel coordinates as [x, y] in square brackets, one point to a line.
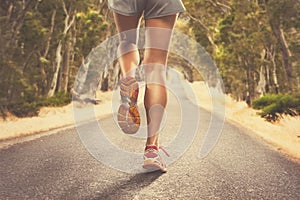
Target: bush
[59, 99]
[28, 107]
[273, 106]
[24, 109]
[25, 106]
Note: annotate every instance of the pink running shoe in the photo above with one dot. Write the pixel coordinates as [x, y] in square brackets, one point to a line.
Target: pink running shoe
[152, 159]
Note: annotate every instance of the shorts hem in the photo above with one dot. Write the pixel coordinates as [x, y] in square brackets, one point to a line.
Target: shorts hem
[165, 14]
[124, 13]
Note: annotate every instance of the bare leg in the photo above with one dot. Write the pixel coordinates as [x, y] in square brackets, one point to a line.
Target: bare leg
[128, 53]
[158, 35]
[128, 114]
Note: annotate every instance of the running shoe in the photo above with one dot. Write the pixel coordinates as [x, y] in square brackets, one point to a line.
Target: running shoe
[128, 113]
[152, 159]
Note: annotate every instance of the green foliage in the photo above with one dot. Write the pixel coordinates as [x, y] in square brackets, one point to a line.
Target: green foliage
[25, 105]
[30, 105]
[31, 32]
[238, 34]
[59, 99]
[273, 106]
[24, 109]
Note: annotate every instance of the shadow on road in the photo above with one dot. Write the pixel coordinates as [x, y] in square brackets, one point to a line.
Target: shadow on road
[127, 188]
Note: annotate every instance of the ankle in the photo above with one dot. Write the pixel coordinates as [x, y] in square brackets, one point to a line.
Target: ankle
[151, 144]
[130, 73]
[151, 147]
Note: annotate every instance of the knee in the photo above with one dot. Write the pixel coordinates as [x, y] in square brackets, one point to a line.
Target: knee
[155, 73]
[126, 47]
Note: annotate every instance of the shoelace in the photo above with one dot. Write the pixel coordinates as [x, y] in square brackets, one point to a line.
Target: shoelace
[164, 150]
[157, 148]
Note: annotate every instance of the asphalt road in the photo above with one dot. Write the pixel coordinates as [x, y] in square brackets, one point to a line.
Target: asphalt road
[57, 165]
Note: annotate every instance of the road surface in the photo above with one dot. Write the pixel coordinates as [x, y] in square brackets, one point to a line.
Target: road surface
[56, 165]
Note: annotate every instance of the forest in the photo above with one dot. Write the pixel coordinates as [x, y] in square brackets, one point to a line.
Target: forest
[254, 43]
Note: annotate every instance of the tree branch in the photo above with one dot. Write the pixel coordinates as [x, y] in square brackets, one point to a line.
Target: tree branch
[221, 6]
[67, 23]
[197, 20]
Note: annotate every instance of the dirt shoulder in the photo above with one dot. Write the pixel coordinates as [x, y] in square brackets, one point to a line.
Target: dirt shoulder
[50, 118]
[284, 135]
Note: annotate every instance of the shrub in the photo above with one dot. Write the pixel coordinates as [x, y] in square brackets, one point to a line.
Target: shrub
[59, 99]
[273, 106]
[28, 107]
[24, 109]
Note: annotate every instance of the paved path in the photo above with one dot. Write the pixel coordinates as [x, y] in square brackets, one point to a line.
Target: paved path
[58, 166]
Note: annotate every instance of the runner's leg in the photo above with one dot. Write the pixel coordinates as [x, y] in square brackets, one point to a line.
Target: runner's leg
[128, 52]
[128, 114]
[158, 35]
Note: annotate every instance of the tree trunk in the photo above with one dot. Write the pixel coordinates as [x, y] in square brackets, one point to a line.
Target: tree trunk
[261, 88]
[57, 68]
[267, 75]
[43, 80]
[50, 34]
[18, 22]
[286, 54]
[64, 72]
[250, 86]
[62, 78]
[9, 12]
[264, 83]
[274, 73]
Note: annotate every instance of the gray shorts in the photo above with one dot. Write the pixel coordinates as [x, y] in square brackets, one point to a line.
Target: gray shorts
[151, 8]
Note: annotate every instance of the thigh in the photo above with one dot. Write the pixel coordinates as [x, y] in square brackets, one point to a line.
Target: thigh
[127, 27]
[158, 36]
[166, 22]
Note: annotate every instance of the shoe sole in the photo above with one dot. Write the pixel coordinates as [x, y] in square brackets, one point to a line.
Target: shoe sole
[128, 114]
[152, 166]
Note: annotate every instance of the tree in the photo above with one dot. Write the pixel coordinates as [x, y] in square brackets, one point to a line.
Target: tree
[283, 18]
[244, 38]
